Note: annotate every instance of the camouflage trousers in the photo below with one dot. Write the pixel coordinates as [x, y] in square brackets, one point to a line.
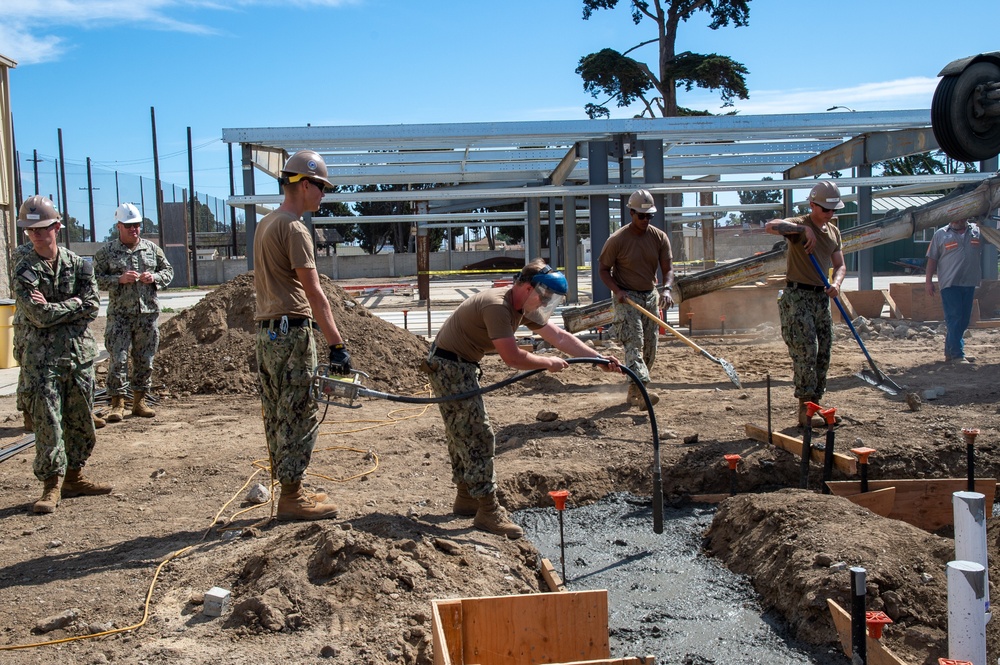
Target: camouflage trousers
[285, 366]
[471, 441]
[137, 337]
[637, 333]
[807, 328]
[60, 399]
[18, 344]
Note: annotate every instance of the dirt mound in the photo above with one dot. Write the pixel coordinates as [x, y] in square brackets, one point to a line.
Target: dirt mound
[210, 348]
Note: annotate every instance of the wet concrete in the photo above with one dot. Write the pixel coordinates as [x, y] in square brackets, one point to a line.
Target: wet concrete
[666, 597]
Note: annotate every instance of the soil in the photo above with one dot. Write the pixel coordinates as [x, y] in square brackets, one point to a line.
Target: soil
[358, 589]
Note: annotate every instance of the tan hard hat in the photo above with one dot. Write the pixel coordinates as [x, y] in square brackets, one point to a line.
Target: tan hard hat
[826, 194]
[641, 201]
[306, 164]
[37, 212]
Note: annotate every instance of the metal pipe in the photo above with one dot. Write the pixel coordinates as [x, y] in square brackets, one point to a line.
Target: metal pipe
[859, 635]
[970, 435]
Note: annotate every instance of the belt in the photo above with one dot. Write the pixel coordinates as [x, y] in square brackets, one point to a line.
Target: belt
[268, 324]
[806, 287]
[448, 355]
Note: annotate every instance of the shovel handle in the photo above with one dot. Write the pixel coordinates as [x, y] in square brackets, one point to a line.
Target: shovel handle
[667, 326]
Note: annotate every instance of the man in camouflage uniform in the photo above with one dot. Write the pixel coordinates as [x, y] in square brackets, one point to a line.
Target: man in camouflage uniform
[56, 292]
[487, 321]
[289, 296]
[131, 269]
[804, 306]
[628, 265]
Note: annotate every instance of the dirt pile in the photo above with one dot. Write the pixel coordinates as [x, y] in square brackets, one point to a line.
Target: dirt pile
[210, 348]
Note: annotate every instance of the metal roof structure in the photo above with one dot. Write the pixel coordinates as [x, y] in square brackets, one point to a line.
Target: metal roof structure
[458, 168]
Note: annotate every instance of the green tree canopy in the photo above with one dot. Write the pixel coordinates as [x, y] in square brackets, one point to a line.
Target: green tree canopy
[760, 196]
[624, 80]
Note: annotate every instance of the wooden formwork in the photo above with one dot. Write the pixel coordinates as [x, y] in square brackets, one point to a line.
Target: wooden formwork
[569, 628]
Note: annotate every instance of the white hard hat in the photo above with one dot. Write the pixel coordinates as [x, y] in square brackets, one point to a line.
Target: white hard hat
[128, 214]
[641, 201]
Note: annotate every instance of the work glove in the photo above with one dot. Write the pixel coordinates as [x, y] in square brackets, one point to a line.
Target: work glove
[666, 301]
[340, 359]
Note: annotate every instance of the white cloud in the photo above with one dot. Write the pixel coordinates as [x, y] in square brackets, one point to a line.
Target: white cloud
[908, 93]
[28, 38]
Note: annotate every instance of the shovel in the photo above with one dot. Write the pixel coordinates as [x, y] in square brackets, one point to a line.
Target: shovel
[730, 371]
[875, 377]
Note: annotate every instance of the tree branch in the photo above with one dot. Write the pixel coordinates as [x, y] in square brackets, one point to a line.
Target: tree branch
[640, 45]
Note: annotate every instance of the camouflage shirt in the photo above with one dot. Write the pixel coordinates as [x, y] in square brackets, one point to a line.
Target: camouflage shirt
[115, 259]
[55, 332]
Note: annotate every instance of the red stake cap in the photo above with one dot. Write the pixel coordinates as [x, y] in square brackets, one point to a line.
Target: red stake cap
[863, 454]
[733, 460]
[812, 408]
[559, 496]
[875, 621]
[829, 415]
[949, 661]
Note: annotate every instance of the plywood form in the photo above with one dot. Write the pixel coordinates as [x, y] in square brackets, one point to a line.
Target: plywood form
[868, 304]
[519, 630]
[924, 503]
[879, 502]
[743, 306]
[843, 462]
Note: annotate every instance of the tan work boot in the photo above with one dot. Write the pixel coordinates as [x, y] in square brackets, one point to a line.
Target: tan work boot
[77, 485]
[294, 504]
[50, 496]
[492, 517]
[635, 397]
[117, 411]
[465, 504]
[139, 406]
[29, 424]
[98, 421]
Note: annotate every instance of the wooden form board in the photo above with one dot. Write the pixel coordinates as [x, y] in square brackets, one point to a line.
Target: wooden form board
[845, 463]
[879, 502]
[924, 503]
[744, 307]
[868, 304]
[521, 630]
[877, 653]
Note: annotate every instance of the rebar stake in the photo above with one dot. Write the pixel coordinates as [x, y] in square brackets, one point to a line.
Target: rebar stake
[830, 416]
[812, 408]
[863, 454]
[970, 434]
[405, 326]
[559, 497]
[732, 460]
[770, 429]
[722, 323]
[690, 323]
[859, 643]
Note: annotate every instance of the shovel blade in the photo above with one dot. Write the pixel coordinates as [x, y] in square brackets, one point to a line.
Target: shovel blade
[731, 372]
[881, 382]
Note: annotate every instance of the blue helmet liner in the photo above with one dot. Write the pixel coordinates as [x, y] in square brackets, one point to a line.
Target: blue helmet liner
[551, 279]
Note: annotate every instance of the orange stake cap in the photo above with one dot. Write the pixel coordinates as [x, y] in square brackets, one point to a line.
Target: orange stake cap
[829, 415]
[875, 621]
[559, 496]
[863, 454]
[733, 460]
[949, 661]
[970, 434]
[812, 408]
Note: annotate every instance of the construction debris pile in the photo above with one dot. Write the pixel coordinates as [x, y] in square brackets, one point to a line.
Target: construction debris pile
[210, 348]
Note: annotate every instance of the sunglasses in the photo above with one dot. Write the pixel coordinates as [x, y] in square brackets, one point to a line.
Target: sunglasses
[822, 208]
[42, 229]
[646, 216]
[321, 186]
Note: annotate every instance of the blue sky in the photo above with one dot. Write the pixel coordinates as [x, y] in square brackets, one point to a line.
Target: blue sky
[95, 67]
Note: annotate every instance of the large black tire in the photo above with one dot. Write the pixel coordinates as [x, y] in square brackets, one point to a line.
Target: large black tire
[960, 134]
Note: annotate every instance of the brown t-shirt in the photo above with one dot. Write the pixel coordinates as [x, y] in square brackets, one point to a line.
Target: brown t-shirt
[634, 259]
[800, 268]
[484, 317]
[281, 244]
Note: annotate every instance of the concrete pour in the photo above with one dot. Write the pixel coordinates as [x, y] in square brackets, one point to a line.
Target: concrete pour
[666, 597]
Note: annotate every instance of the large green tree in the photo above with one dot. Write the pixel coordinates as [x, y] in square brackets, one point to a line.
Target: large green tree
[760, 196]
[624, 80]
